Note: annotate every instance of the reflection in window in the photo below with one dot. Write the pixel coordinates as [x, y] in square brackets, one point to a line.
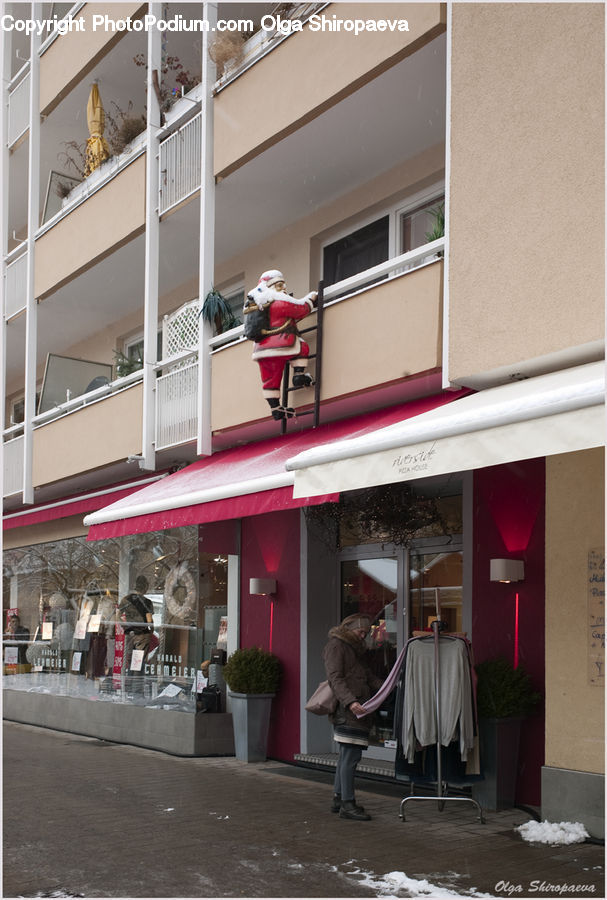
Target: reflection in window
[130, 619]
[436, 578]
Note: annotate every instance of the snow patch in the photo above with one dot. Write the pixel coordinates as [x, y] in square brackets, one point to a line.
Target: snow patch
[399, 884]
[553, 832]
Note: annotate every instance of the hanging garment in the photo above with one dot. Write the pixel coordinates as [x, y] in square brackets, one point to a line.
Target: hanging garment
[418, 696]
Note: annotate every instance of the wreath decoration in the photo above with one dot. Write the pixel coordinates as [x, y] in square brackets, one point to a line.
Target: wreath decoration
[180, 577]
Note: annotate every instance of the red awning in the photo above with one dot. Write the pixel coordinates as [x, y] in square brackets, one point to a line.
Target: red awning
[242, 481]
[77, 504]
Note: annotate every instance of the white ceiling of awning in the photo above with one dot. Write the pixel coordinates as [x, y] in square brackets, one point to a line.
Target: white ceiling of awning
[556, 413]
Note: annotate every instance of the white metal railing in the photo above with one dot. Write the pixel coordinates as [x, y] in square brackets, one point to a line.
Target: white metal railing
[15, 288]
[341, 290]
[18, 110]
[13, 466]
[177, 406]
[180, 163]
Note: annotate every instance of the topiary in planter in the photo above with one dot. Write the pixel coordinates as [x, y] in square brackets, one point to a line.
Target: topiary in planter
[503, 691]
[252, 670]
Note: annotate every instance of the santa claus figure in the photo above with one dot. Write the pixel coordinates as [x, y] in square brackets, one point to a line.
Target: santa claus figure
[270, 319]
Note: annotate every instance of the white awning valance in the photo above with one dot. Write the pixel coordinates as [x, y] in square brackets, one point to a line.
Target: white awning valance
[556, 413]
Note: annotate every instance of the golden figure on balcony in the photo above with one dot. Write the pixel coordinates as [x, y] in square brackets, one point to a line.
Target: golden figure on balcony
[270, 320]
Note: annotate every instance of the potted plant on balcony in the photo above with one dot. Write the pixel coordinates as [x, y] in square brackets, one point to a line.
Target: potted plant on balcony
[253, 676]
[217, 311]
[505, 697]
[438, 226]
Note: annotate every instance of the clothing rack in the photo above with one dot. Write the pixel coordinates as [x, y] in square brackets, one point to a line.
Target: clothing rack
[437, 626]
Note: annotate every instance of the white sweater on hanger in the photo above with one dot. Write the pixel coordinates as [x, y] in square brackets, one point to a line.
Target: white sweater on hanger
[419, 718]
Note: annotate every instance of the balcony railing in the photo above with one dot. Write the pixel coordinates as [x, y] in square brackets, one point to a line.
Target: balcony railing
[100, 393]
[263, 42]
[177, 405]
[16, 285]
[179, 162]
[13, 466]
[18, 110]
[341, 290]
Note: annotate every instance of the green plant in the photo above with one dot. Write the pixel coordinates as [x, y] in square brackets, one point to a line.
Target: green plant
[252, 670]
[125, 365]
[438, 228]
[503, 691]
[216, 310]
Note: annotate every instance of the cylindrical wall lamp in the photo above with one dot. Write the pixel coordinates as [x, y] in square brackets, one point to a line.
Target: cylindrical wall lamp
[506, 570]
[262, 585]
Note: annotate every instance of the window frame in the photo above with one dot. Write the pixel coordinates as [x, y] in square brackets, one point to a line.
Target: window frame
[394, 211]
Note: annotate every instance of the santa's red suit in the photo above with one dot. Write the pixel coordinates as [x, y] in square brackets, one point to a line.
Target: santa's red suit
[282, 343]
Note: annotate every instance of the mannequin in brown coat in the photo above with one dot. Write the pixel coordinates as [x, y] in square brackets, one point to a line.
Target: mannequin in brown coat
[352, 682]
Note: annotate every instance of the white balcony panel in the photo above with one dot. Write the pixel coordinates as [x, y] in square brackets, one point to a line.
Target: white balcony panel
[13, 466]
[180, 161]
[177, 406]
[16, 286]
[18, 110]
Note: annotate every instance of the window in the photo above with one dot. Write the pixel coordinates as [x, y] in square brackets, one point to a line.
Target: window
[416, 226]
[356, 252]
[402, 228]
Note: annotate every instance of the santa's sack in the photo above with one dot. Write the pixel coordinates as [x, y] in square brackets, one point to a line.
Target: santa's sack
[323, 701]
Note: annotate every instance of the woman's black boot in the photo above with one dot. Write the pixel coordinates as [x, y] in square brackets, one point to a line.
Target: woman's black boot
[349, 810]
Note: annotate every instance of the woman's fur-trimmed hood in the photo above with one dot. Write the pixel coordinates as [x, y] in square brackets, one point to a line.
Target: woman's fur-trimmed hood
[348, 637]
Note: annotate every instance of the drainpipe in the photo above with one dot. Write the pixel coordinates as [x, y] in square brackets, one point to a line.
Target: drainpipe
[152, 244]
[207, 235]
[33, 220]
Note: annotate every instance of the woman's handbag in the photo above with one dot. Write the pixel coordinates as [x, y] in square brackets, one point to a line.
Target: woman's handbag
[323, 701]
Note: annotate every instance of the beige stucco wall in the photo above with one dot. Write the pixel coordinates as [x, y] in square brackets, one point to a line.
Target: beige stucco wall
[574, 526]
[527, 182]
[295, 250]
[400, 319]
[109, 218]
[43, 532]
[72, 56]
[331, 64]
[94, 436]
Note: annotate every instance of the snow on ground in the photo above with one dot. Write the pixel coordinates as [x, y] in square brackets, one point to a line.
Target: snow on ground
[553, 832]
[397, 884]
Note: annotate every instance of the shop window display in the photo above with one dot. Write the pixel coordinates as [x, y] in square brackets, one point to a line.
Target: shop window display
[129, 620]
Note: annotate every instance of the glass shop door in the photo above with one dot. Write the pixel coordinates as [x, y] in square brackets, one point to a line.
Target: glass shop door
[399, 590]
[373, 584]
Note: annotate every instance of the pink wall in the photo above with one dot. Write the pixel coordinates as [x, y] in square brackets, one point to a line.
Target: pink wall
[509, 522]
[270, 546]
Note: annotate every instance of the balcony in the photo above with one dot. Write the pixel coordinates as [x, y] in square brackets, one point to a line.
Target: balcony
[377, 340]
[96, 433]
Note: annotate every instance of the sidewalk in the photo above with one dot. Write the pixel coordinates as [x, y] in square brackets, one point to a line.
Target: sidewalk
[88, 818]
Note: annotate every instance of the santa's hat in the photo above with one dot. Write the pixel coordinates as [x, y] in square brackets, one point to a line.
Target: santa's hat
[269, 278]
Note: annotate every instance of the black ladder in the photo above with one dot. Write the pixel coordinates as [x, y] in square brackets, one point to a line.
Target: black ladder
[286, 390]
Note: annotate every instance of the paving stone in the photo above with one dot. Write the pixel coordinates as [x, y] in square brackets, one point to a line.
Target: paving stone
[88, 818]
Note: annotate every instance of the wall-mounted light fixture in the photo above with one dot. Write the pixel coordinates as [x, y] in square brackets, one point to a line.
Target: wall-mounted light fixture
[506, 570]
[262, 585]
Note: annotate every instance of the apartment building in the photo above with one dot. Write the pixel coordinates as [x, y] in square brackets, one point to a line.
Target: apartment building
[448, 460]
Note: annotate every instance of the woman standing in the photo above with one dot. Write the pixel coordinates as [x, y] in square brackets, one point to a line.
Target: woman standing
[352, 682]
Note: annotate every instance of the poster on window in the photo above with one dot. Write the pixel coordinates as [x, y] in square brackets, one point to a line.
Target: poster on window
[94, 623]
[118, 657]
[137, 660]
[76, 660]
[47, 631]
[11, 655]
[9, 613]
[80, 629]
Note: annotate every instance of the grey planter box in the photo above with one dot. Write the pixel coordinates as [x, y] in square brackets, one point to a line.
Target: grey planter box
[499, 745]
[251, 721]
[179, 733]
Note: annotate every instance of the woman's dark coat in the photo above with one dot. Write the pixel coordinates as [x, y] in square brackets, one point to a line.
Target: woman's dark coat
[351, 679]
